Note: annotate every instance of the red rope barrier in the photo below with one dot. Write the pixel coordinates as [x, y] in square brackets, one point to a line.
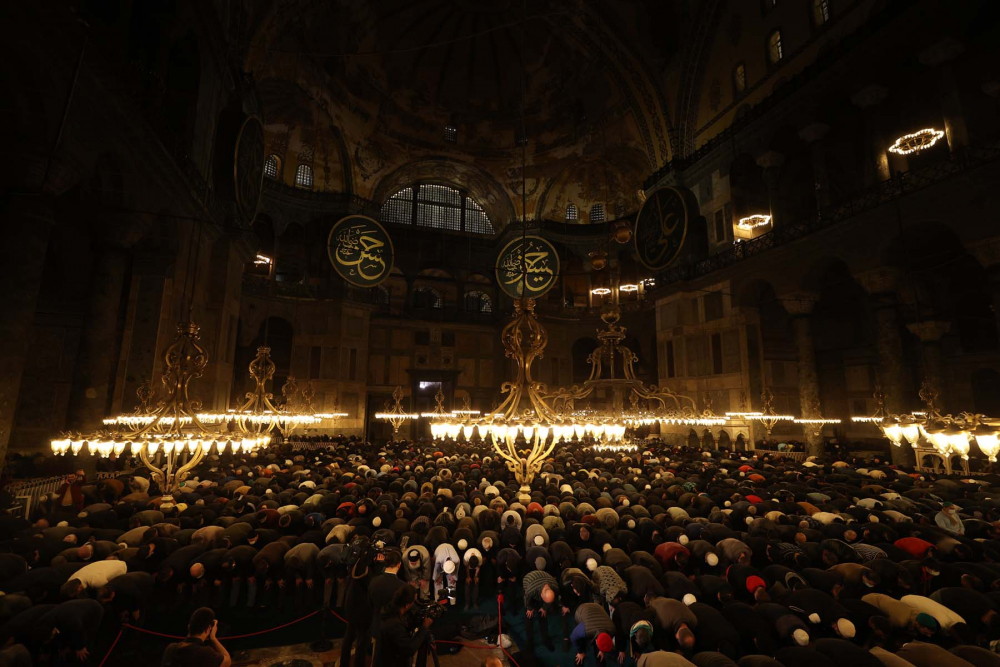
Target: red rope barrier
[250, 634]
[336, 615]
[113, 645]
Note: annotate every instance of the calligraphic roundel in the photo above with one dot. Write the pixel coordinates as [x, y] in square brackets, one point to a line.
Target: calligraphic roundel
[661, 228]
[248, 169]
[527, 267]
[360, 250]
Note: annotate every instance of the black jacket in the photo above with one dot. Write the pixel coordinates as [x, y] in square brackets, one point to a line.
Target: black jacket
[395, 645]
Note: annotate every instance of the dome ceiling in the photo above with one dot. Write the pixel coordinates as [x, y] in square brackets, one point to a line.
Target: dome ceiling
[383, 79]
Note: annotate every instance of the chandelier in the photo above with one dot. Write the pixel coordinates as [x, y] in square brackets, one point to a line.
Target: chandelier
[395, 414]
[946, 435]
[916, 142]
[753, 221]
[173, 427]
[259, 415]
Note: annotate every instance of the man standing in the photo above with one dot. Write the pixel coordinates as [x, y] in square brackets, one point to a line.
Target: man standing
[200, 648]
[383, 587]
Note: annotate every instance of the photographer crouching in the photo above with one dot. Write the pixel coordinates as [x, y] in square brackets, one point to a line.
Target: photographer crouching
[397, 642]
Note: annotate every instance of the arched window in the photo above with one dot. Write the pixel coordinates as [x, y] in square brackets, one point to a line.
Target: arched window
[821, 11]
[597, 213]
[427, 297]
[478, 302]
[437, 206]
[740, 78]
[571, 213]
[272, 166]
[304, 177]
[774, 52]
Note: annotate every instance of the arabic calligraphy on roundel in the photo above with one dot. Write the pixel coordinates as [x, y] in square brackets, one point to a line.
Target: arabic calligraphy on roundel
[363, 252]
[538, 273]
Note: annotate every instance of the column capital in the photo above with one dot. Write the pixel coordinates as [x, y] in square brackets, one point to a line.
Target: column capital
[941, 52]
[929, 331]
[799, 304]
[869, 96]
[813, 132]
[881, 280]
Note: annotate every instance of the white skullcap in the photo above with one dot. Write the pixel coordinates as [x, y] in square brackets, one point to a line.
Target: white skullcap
[872, 518]
[801, 637]
[683, 539]
[845, 628]
[377, 521]
[814, 617]
[591, 564]
[487, 543]
[606, 547]
[689, 599]
[462, 545]
[539, 540]
[630, 523]
[729, 503]
[625, 502]
[711, 559]
[448, 567]
[62, 524]
[749, 520]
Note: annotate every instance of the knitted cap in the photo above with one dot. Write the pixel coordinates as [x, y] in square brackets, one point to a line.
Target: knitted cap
[605, 644]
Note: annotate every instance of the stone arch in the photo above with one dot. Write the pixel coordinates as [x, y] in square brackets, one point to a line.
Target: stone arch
[725, 442]
[741, 443]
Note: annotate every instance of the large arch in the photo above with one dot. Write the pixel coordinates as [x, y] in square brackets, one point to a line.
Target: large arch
[479, 183]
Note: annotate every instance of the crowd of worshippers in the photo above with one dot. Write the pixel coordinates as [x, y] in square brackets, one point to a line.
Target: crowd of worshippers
[664, 557]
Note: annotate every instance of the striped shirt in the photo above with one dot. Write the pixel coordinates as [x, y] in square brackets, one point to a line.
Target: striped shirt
[534, 582]
[867, 553]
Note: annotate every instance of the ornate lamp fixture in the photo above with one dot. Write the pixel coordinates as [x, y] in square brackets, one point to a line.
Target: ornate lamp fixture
[753, 221]
[916, 142]
[930, 432]
[767, 417]
[395, 414]
[174, 426]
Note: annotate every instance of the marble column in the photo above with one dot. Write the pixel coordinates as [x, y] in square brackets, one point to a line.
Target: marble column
[147, 314]
[799, 307]
[93, 375]
[28, 224]
[930, 333]
[938, 57]
[881, 286]
[771, 162]
[868, 99]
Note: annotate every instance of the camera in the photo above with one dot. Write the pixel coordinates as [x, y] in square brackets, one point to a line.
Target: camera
[427, 609]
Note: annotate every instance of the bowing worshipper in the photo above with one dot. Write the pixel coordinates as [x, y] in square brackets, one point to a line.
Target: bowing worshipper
[91, 577]
[445, 574]
[594, 629]
[473, 561]
[903, 617]
[69, 627]
[924, 654]
[127, 595]
[508, 565]
[978, 610]
[949, 620]
[715, 632]
[663, 659]
[609, 586]
[673, 623]
[626, 617]
[417, 568]
[541, 598]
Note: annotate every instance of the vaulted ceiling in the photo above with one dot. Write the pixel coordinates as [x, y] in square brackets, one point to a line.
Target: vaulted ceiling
[362, 91]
